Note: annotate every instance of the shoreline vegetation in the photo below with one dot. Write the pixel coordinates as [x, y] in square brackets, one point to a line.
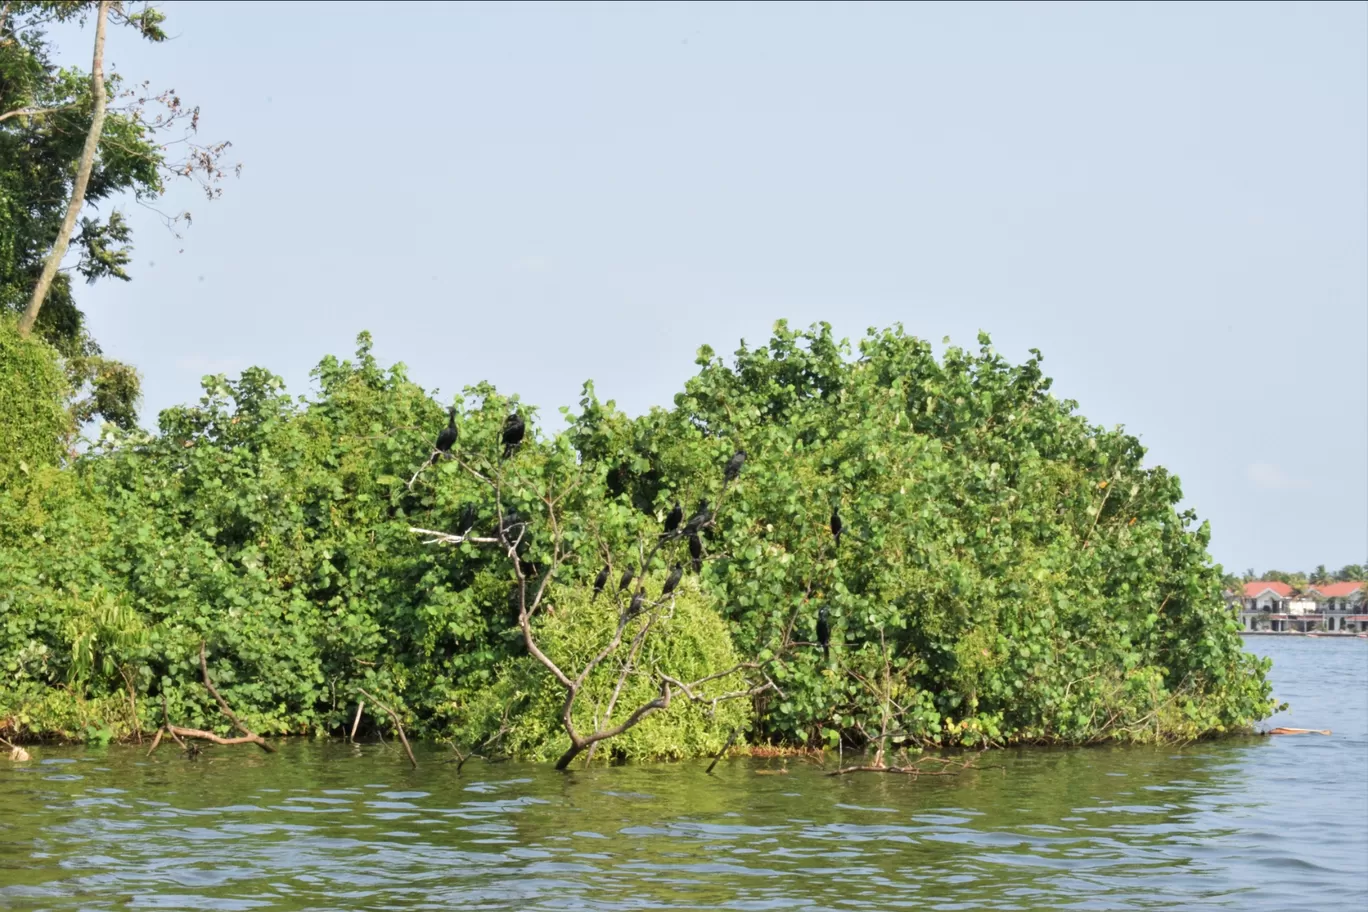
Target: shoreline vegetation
[814, 548]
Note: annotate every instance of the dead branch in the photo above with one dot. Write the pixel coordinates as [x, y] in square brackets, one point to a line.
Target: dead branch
[210, 736]
[398, 726]
[357, 721]
[731, 739]
[444, 538]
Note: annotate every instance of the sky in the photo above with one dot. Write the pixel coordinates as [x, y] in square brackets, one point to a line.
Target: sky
[1169, 200]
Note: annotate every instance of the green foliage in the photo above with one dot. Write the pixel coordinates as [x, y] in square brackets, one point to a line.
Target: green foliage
[1009, 573]
[521, 712]
[33, 422]
[1349, 573]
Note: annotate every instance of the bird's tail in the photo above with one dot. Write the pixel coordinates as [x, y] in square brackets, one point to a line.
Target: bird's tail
[698, 565]
[826, 653]
[436, 455]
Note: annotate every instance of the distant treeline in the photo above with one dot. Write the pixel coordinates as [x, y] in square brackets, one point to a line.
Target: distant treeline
[1349, 573]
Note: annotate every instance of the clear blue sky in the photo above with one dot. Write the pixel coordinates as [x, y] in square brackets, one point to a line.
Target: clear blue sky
[1170, 200]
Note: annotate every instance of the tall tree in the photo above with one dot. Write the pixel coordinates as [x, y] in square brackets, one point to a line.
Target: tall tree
[62, 160]
[99, 102]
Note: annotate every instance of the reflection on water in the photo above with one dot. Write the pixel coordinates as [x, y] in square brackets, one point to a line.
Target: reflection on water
[1251, 823]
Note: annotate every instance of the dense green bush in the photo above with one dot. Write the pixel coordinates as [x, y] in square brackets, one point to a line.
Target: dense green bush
[33, 422]
[1009, 572]
[690, 642]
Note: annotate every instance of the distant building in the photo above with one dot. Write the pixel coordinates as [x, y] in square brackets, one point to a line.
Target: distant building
[1278, 608]
[1341, 605]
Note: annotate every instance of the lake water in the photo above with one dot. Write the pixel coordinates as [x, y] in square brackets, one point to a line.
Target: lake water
[1271, 823]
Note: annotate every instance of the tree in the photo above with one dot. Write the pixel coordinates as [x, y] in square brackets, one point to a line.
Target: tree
[68, 144]
[1318, 577]
[99, 99]
[1352, 573]
[549, 516]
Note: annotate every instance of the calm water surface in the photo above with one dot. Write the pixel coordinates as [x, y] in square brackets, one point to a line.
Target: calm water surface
[1255, 823]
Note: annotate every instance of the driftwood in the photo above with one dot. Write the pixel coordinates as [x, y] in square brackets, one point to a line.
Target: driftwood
[179, 733]
[398, 726]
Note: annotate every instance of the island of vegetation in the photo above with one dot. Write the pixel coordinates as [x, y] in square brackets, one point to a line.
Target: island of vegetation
[631, 587]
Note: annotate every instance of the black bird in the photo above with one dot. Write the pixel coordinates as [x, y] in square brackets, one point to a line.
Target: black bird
[824, 632]
[836, 525]
[599, 582]
[696, 552]
[512, 524]
[513, 430]
[466, 521]
[672, 580]
[699, 519]
[635, 608]
[626, 580]
[447, 438]
[673, 518]
[734, 465]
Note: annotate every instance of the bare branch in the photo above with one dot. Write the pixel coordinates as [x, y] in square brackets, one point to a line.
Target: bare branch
[398, 726]
[34, 112]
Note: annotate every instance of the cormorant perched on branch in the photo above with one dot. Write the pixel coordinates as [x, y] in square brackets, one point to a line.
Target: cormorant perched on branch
[626, 580]
[824, 632]
[836, 525]
[696, 552]
[513, 431]
[599, 582]
[466, 521]
[699, 519]
[672, 580]
[673, 518]
[511, 525]
[733, 469]
[447, 438]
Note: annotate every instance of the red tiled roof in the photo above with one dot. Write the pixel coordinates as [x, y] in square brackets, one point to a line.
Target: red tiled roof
[1252, 590]
[1336, 590]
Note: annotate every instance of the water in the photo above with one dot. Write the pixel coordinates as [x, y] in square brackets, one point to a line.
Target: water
[1271, 823]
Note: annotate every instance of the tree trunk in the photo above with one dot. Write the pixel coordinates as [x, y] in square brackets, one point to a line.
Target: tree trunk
[565, 758]
[87, 163]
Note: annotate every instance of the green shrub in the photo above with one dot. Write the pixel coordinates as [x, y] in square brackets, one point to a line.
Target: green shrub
[1009, 573]
[34, 421]
[521, 713]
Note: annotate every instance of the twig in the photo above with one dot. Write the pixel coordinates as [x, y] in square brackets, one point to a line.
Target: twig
[398, 726]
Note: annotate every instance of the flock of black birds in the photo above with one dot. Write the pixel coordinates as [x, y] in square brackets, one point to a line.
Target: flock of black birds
[514, 429]
[511, 437]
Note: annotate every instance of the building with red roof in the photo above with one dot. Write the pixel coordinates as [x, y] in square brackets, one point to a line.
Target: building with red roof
[1279, 608]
